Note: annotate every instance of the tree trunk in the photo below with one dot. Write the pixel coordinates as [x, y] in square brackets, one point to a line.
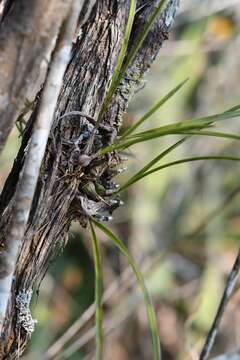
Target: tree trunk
[26, 40]
[72, 158]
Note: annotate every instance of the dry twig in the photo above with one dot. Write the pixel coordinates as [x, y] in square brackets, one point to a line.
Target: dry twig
[231, 282]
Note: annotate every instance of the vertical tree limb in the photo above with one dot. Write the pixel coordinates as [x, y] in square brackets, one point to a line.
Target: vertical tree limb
[29, 176]
[60, 196]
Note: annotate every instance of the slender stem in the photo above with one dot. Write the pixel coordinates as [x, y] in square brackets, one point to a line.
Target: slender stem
[98, 294]
[230, 286]
[118, 287]
[147, 299]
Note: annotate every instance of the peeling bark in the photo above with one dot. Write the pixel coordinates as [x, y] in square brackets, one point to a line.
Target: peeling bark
[70, 164]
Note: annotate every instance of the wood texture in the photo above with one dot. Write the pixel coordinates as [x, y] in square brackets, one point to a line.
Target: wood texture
[27, 37]
[34, 156]
[71, 161]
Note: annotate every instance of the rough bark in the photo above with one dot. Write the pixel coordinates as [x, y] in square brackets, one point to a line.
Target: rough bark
[70, 163]
[30, 173]
[27, 36]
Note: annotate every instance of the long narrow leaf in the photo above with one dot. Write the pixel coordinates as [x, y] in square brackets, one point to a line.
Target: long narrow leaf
[98, 294]
[213, 134]
[154, 161]
[203, 120]
[150, 112]
[120, 70]
[141, 283]
[234, 108]
[142, 37]
[177, 128]
[181, 161]
[156, 133]
[116, 74]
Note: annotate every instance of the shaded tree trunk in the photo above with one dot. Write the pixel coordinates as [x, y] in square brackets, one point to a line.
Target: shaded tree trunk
[72, 157]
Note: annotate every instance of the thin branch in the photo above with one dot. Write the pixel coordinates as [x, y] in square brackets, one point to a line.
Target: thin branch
[28, 180]
[110, 324]
[231, 282]
[116, 288]
[213, 214]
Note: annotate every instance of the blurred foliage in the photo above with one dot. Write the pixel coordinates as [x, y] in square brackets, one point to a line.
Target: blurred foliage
[178, 223]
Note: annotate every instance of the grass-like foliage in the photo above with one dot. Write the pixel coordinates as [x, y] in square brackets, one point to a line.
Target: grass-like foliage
[120, 70]
[201, 126]
[117, 74]
[142, 36]
[124, 62]
[149, 165]
[150, 112]
[191, 127]
[98, 294]
[141, 283]
[142, 174]
[188, 128]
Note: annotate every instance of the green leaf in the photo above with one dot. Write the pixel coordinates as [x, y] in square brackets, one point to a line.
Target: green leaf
[213, 134]
[140, 173]
[121, 68]
[182, 125]
[98, 294]
[141, 283]
[234, 108]
[153, 109]
[141, 37]
[181, 161]
[177, 128]
[117, 71]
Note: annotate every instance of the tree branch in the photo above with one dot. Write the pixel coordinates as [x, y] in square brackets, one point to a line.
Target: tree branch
[28, 179]
[230, 286]
[60, 196]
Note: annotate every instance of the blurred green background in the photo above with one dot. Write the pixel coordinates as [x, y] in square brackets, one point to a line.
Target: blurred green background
[181, 224]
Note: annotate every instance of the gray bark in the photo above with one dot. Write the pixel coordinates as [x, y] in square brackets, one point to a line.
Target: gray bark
[29, 175]
[69, 162]
[27, 36]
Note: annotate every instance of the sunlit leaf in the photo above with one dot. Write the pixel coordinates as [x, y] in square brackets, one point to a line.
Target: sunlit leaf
[213, 134]
[155, 133]
[156, 107]
[177, 128]
[173, 163]
[207, 120]
[140, 173]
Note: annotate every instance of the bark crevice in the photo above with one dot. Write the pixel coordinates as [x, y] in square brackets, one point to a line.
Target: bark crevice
[64, 191]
